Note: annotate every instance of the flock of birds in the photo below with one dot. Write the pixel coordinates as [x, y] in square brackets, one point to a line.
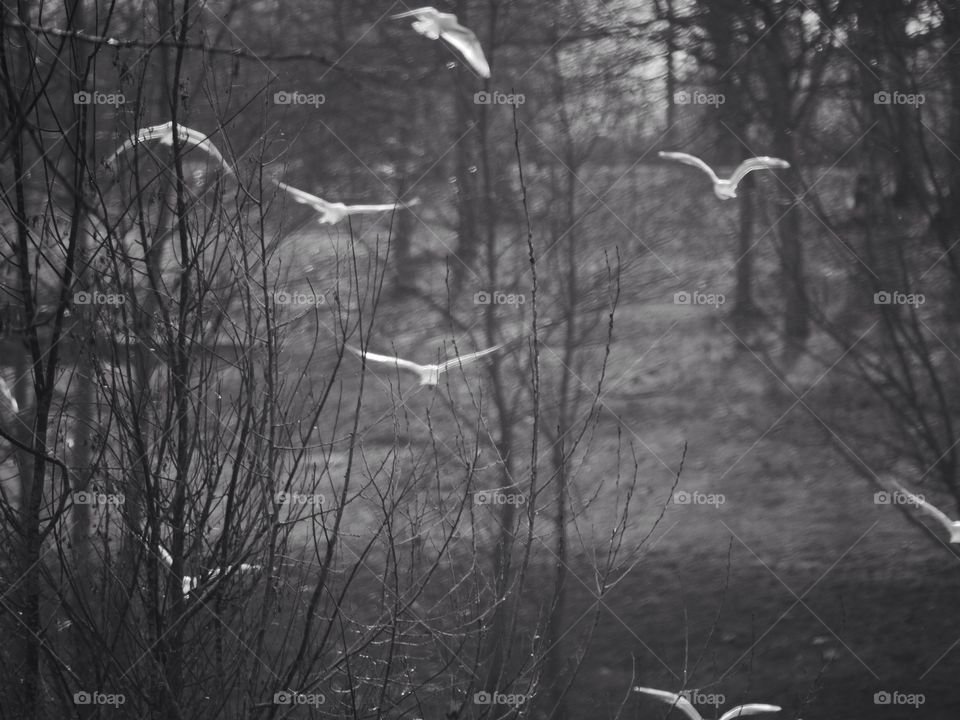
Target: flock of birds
[434, 25]
[437, 25]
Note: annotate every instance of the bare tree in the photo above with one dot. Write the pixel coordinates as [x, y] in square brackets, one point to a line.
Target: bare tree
[215, 511]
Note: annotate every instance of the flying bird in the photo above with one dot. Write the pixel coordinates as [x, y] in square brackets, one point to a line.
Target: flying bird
[332, 213]
[428, 375]
[952, 526]
[726, 189]
[189, 582]
[681, 703]
[8, 395]
[164, 135]
[435, 25]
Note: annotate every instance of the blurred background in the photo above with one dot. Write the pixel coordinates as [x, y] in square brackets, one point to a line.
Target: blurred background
[708, 457]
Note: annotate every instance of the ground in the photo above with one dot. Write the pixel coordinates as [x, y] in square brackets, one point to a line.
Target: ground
[798, 590]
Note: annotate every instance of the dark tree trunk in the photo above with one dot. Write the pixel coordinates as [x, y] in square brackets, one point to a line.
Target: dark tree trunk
[796, 317]
[745, 311]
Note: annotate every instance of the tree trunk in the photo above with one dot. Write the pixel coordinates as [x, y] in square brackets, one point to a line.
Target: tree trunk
[796, 317]
[671, 81]
[468, 200]
[400, 243]
[745, 312]
[947, 218]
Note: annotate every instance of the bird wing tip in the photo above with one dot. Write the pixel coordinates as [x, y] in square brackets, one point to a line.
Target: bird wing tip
[407, 13]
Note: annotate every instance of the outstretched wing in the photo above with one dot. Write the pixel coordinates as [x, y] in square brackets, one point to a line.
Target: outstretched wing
[464, 40]
[203, 142]
[427, 21]
[388, 360]
[410, 13]
[165, 557]
[351, 209]
[756, 163]
[464, 359]
[5, 391]
[678, 701]
[149, 133]
[164, 133]
[929, 509]
[692, 160]
[751, 709]
[241, 568]
[305, 198]
[382, 207]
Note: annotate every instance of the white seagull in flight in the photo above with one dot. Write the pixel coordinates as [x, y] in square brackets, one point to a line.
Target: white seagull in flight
[428, 375]
[681, 703]
[5, 391]
[952, 526]
[726, 189]
[332, 213]
[190, 583]
[164, 135]
[435, 25]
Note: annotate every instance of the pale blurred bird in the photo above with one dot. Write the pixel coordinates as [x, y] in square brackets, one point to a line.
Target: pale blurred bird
[681, 703]
[952, 526]
[727, 189]
[5, 391]
[435, 25]
[332, 213]
[164, 135]
[190, 583]
[428, 375]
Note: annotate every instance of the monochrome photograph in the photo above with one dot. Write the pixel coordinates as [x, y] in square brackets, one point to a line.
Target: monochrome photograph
[496, 359]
